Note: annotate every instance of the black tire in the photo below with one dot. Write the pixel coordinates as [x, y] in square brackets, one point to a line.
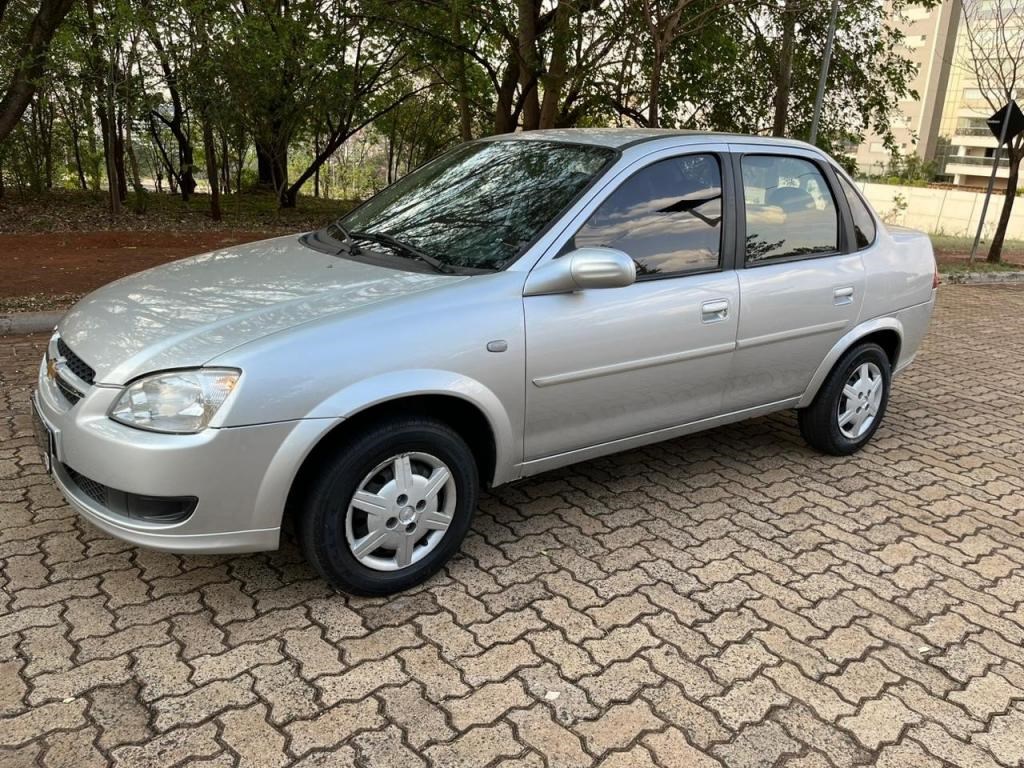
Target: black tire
[819, 422]
[321, 526]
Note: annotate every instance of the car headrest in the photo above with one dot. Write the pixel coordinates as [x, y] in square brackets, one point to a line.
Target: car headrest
[790, 199]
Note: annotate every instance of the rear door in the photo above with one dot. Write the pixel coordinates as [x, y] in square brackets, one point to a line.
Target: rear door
[801, 278]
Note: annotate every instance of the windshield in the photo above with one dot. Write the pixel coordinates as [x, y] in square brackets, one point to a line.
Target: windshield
[477, 206]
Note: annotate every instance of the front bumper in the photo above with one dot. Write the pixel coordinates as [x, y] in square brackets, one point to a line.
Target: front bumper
[241, 475]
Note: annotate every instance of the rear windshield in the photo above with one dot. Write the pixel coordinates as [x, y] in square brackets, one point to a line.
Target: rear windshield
[481, 204]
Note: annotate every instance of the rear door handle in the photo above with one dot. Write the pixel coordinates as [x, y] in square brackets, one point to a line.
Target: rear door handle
[714, 311]
[843, 296]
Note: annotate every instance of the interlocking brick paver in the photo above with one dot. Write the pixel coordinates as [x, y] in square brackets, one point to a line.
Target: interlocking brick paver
[252, 738]
[486, 703]
[619, 727]
[477, 746]
[727, 599]
[360, 681]
[322, 731]
[423, 721]
[561, 747]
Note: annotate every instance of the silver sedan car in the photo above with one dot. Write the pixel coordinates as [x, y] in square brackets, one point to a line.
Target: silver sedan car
[520, 303]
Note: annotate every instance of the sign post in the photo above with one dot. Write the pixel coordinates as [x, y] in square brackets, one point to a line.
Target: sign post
[1005, 125]
[823, 76]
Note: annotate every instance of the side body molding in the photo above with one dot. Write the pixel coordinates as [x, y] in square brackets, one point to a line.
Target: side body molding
[845, 342]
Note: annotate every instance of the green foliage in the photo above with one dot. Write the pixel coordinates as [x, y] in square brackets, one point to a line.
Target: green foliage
[339, 97]
[911, 169]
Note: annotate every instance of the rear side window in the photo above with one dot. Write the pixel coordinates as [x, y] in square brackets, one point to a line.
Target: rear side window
[863, 221]
[790, 211]
[667, 217]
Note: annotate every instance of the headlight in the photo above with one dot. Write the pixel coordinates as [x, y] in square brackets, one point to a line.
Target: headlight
[176, 401]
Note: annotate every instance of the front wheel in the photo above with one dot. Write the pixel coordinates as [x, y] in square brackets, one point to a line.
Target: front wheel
[850, 404]
[390, 507]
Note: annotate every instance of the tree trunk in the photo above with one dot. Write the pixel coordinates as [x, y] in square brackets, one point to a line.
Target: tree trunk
[554, 80]
[165, 160]
[504, 121]
[46, 119]
[242, 151]
[529, 67]
[133, 164]
[31, 58]
[122, 174]
[90, 142]
[995, 251]
[187, 176]
[784, 82]
[210, 150]
[76, 148]
[461, 83]
[655, 87]
[264, 166]
[225, 164]
[186, 171]
[109, 142]
[316, 173]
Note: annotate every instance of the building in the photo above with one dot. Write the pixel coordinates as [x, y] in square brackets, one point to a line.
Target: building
[967, 145]
[930, 37]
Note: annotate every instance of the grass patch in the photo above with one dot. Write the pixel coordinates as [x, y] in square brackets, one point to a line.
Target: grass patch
[76, 211]
[947, 245]
[980, 265]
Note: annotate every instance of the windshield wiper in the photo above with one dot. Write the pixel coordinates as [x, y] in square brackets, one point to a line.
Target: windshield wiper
[346, 239]
[399, 245]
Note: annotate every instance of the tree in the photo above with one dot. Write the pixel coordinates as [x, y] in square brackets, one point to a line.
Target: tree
[994, 58]
[870, 72]
[677, 62]
[168, 52]
[31, 61]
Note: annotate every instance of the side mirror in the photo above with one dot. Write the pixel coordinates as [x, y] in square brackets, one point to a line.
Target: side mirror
[582, 269]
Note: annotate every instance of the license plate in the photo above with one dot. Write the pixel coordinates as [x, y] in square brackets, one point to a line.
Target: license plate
[44, 438]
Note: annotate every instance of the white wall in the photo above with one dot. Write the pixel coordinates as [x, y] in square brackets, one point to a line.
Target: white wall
[942, 211]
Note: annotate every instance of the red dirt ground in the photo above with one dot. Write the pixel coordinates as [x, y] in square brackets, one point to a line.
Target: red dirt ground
[56, 264]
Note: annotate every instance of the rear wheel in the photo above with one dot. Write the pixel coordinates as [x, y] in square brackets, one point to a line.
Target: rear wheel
[851, 403]
[390, 507]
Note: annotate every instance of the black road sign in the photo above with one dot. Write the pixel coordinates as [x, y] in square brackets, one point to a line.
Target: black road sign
[995, 123]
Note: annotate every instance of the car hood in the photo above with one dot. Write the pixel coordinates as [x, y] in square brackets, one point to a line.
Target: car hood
[187, 312]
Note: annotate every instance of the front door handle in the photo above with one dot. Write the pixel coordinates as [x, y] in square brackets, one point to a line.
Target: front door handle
[714, 311]
[843, 295]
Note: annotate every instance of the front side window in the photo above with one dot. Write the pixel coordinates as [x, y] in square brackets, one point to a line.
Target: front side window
[789, 209]
[863, 221]
[479, 205]
[667, 217]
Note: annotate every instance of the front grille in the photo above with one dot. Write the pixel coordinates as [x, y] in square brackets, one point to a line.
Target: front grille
[71, 394]
[77, 365]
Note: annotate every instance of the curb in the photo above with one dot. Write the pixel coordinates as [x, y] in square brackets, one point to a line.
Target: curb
[982, 278]
[28, 322]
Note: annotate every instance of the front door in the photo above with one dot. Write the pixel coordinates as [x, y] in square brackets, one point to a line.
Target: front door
[613, 363]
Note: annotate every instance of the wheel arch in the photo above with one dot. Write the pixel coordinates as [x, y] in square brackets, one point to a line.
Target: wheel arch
[887, 332]
[469, 408]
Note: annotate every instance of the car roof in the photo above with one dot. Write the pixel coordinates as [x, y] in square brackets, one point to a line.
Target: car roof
[621, 137]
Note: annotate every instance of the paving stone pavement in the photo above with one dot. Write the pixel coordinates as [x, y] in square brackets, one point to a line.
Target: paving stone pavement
[727, 599]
